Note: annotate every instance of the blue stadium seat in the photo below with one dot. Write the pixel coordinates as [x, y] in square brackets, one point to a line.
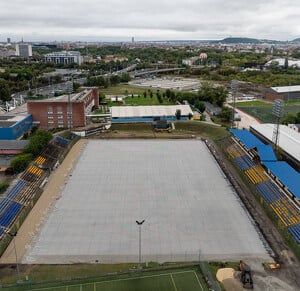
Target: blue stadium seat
[244, 162]
[4, 203]
[7, 216]
[269, 191]
[16, 189]
[295, 232]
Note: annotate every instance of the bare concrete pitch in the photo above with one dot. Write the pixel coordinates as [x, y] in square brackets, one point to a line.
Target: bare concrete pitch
[175, 185]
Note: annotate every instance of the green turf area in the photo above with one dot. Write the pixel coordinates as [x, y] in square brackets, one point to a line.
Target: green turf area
[123, 89]
[177, 280]
[251, 103]
[264, 113]
[202, 129]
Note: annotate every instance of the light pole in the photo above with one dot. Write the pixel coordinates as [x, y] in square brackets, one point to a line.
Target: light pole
[139, 223]
[14, 234]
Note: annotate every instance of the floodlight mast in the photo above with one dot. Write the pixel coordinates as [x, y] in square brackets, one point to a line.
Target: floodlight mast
[234, 87]
[278, 107]
[139, 223]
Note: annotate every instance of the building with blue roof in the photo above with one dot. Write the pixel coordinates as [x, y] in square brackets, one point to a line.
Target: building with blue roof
[266, 153]
[286, 175]
[247, 138]
[14, 126]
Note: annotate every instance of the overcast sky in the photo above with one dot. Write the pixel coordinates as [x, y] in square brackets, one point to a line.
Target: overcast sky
[99, 20]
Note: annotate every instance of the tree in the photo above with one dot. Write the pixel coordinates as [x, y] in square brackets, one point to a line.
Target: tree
[37, 142]
[145, 94]
[178, 114]
[200, 106]
[4, 90]
[151, 94]
[20, 162]
[226, 114]
[76, 86]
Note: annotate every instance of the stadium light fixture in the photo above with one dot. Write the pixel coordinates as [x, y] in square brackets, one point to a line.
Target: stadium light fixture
[139, 223]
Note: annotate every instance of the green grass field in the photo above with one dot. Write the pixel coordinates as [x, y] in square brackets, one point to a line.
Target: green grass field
[264, 113]
[122, 89]
[177, 280]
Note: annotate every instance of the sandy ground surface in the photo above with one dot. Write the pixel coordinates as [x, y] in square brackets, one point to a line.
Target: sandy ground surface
[30, 226]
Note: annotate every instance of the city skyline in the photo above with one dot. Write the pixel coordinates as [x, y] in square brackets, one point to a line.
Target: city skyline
[148, 20]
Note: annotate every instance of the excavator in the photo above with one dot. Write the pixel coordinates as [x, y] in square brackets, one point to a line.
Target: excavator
[246, 276]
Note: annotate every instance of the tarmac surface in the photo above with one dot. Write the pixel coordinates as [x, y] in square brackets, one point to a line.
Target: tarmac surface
[189, 207]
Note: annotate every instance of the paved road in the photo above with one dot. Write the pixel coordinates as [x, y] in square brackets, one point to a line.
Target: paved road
[246, 120]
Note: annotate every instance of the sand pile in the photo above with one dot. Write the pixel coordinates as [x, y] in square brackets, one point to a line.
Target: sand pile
[227, 276]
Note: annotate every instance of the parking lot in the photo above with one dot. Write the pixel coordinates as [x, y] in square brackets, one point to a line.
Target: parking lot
[172, 83]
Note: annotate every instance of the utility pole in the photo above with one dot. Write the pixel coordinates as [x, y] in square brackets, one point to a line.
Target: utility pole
[13, 235]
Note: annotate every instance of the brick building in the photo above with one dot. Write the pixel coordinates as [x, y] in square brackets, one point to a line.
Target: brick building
[66, 111]
[285, 93]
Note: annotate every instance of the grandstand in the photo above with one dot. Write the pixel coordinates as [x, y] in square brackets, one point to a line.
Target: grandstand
[25, 188]
[277, 183]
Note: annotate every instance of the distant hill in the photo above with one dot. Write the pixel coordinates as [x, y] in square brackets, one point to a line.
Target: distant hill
[247, 40]
[231, 40]
[296, 40]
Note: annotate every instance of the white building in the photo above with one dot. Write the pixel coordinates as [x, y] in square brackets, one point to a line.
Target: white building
[64, 57]
[24, 50]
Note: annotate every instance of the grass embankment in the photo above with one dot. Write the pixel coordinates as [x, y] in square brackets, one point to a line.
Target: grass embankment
[141, 101]
[183, 129]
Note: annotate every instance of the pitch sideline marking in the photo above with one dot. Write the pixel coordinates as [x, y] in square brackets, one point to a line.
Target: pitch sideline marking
[198, 280]
[173, 282]
[110, 281]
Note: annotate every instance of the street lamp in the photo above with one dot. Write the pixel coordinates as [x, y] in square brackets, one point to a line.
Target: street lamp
[14, 234]
[139, 223]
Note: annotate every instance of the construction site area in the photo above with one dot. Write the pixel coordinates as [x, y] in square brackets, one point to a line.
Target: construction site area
[189, 208]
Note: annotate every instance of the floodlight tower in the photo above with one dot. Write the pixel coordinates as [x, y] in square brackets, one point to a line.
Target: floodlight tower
[234, 88]
[139, 223]
[278, 106]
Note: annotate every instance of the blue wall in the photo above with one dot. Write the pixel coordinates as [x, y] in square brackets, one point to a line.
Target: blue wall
[145, 119]
[17, 129]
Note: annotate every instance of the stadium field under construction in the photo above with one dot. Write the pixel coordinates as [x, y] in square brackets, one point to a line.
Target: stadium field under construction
[189, 207]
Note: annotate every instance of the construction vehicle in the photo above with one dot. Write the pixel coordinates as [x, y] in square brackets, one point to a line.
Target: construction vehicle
[246, 276]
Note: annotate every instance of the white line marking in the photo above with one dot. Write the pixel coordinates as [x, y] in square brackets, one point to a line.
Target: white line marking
[173, 282]
[198, 280]
[110, 281]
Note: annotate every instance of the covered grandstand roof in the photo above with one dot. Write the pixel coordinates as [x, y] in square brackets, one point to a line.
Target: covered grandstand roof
[289, 139]
[149, 111]
[247, 138]
[266, 153]
[286, 174]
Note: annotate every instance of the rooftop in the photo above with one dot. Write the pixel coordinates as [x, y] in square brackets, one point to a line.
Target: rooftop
[78, 97]
[143, 111]
[286, 89]
[289, 139]
[10, 120]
